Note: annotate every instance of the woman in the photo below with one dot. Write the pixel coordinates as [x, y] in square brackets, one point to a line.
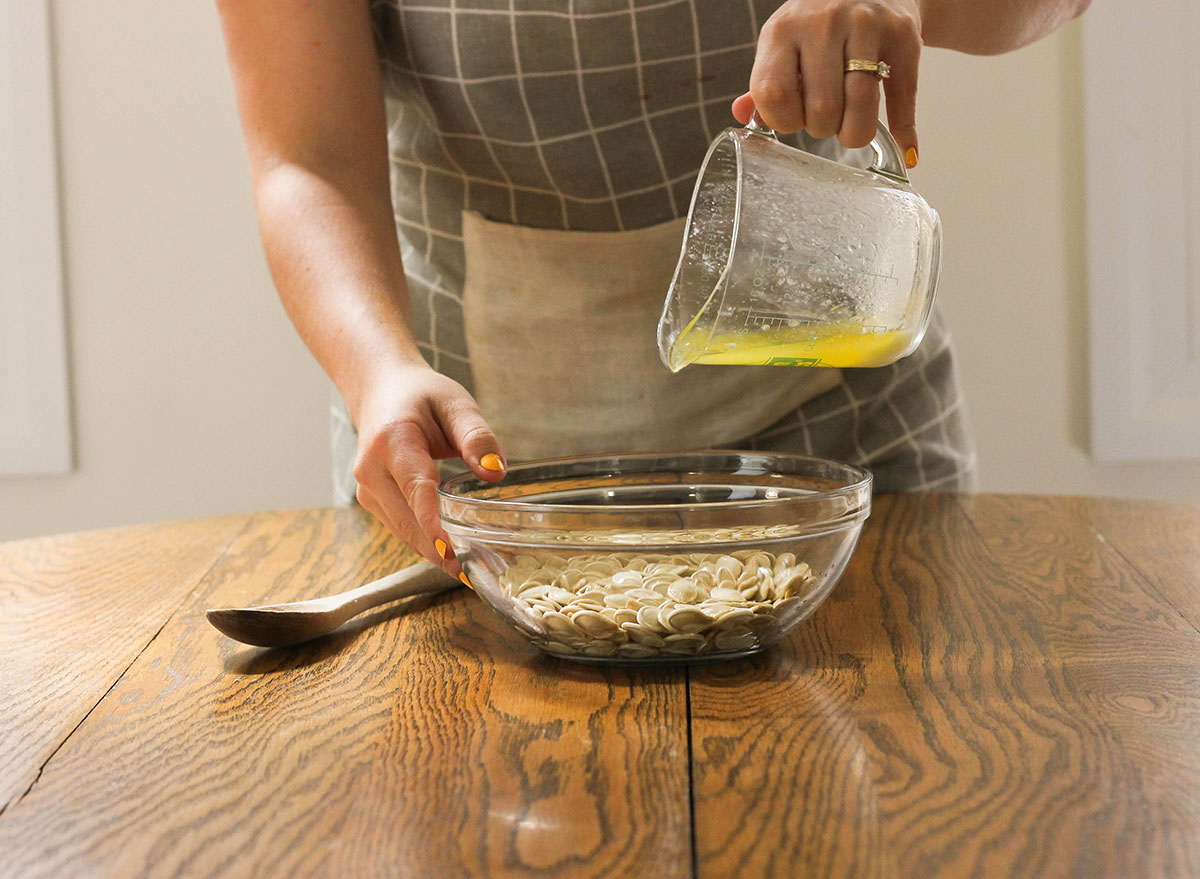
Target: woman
[541, 155]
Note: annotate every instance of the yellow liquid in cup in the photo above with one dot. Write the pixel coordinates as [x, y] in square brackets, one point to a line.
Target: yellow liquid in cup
[834, 345]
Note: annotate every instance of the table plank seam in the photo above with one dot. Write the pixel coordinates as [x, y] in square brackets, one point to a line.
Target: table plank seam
[691, 773]
[1142, 580]
[16, 801]
[995, 689]
[1146, 582]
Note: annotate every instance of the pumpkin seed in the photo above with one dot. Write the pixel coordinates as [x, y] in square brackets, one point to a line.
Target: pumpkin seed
[687, 619]
[625, 615]
[559, 623]
[636, 651]
[686, 591]
[684, 643]
[649, 620]
[735, 639]
[626, 580]
[724, 593]
[595, 623]
[649, 605]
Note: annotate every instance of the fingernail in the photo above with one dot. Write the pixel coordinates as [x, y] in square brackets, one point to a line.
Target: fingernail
[440, 546]
[491, 461]
[462, 576]
[910, 157]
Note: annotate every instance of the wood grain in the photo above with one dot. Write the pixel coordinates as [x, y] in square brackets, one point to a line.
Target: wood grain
[1128, 688]
[433, 743]
[991, 691]
[1000, 686]
[75, 611]
[1161, 540]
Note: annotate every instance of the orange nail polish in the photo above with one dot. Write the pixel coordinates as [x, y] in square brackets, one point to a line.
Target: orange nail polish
[910, 157]
[466, 582]
[491, 461]
[440, 546]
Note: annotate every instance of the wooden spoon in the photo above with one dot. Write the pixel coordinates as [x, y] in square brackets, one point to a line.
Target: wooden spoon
[277, 625]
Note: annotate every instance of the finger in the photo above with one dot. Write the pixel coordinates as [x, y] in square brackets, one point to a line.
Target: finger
[900, 89]
[435, 547]
[367, 500]
[774, 88]
[743, 109]
[399, 520]
[821, 76]
[860, 115]
[472, 438]
[382, 497]
[395, 467]
[415, 477]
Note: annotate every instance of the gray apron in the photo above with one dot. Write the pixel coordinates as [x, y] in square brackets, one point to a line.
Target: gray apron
[593, 116]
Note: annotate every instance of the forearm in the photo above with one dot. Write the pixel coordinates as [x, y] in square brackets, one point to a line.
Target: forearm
[310, 97]
[331, 246]
[989, 27]
[311, 104]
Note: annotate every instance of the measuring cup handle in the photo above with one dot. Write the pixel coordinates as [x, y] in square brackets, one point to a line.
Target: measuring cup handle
[757, 125]
[888, 160]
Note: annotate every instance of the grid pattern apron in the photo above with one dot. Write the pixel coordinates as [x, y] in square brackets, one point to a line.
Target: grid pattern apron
[594, 116]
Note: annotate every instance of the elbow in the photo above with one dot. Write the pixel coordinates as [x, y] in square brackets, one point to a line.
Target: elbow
[1002, 34]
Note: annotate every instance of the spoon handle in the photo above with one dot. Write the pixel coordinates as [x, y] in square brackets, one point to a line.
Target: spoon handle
[277, 625]
[421, 578]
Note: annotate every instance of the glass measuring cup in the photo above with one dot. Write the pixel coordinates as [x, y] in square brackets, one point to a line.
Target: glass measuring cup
[792, 259]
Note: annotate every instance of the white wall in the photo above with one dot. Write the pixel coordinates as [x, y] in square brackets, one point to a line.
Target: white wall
[193, 397]
[191, 394]
[1001, 160]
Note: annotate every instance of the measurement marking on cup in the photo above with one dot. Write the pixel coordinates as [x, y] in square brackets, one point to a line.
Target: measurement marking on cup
[780, 320]
[777, 320]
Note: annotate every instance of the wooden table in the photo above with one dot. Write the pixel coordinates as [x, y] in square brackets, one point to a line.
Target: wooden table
[999, 686]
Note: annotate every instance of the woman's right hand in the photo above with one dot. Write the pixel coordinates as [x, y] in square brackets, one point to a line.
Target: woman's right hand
[408, 417]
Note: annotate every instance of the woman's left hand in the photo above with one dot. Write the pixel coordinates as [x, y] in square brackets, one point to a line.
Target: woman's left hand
[799, 80]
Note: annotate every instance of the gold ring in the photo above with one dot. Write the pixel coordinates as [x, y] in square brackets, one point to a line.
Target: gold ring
[880, 68]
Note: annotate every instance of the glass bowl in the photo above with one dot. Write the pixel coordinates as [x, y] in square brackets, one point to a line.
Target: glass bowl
[657, 557]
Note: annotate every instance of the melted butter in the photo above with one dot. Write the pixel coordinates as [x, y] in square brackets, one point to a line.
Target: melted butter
[833, 345]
